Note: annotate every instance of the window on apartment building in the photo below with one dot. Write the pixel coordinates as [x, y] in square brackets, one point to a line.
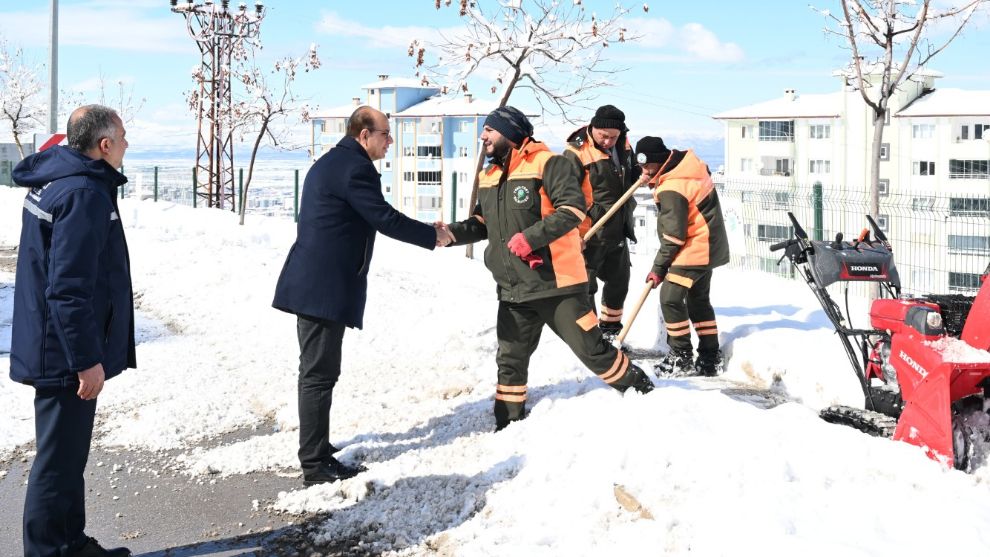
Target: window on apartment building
[427, 203]
[883, 221]
[969, 206]
[818, 166]
[388, 187]
[408, 151]
[408, 126]
[429, 177]
[460, 203]
[968, 169]
[963, 132]
[745, 165]
[777, 130]
[408, 176]
[885, 151]
[923, 168]
[462, 177]
[407, 202]
[746, 132]
[922, 203]
[884, 186]
[465, 126]
[979, 130]
[922, 131]
[886, 117]
[964, 281]
[820, 131]
[462, 151]
[429, 151]
[968, 244]
[773, 232]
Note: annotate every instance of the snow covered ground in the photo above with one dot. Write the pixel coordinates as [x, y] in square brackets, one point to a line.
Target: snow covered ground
[698, 471]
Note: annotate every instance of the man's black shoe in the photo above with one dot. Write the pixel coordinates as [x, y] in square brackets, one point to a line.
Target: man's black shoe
[331, 472]
[94, 549]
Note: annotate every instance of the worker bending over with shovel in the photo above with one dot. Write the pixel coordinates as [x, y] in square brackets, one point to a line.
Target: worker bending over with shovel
[692, 243]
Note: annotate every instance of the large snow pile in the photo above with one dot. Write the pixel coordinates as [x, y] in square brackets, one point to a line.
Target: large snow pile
[692, 467]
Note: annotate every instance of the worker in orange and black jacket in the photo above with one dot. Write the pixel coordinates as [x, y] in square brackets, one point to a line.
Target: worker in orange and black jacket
[529, 208]
[604, 154]
[692, 243]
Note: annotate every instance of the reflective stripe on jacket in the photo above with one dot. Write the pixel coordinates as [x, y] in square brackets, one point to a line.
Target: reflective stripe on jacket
[603, 183]
[689, 216]
[540, 197]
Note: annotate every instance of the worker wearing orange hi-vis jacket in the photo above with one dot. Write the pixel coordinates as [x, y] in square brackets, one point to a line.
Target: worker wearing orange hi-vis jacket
[529, 207]
[605, 157]
[692, 243]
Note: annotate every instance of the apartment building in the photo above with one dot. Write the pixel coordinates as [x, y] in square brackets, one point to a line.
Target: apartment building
[429, 170]
[934, 172]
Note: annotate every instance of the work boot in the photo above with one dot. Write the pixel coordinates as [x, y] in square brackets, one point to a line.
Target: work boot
[637, 379]
[610, 330]
[92, 548]
[709, 364]
[676, 363]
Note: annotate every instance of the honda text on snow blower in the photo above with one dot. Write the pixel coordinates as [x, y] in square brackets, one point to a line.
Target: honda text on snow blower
[923, 365]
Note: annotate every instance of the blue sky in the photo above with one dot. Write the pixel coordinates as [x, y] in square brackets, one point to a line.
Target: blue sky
[696, 58]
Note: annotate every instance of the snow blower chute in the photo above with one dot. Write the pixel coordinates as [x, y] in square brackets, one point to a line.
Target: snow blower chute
[923, 366]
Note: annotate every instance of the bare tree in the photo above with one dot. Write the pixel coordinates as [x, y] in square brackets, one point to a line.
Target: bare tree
[267, 101]
[120, 99]
[553, 48]
[21, 104]
[892, 39]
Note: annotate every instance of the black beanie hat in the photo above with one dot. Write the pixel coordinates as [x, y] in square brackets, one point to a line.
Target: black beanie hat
[511, 123]
[651, 149]
[609, 117]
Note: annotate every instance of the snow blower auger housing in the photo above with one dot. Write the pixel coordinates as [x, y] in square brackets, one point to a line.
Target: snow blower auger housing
[922, 384]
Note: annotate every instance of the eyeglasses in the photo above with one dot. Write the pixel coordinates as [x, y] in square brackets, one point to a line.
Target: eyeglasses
[386, 133]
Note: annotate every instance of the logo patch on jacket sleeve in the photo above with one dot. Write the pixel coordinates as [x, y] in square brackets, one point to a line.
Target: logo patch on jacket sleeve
[520, 194]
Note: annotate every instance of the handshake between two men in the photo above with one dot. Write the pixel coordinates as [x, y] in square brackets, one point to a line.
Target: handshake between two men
[518, 244]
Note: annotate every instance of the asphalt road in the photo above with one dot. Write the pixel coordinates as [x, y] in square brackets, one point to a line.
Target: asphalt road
[142, 501]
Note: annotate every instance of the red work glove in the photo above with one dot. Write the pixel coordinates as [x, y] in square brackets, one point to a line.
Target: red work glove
[655, 278]
[520, 247]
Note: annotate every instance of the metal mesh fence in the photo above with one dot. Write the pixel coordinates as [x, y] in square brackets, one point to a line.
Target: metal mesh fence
[941, 240]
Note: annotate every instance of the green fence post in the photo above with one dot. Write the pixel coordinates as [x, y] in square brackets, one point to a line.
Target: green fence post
[295, 206]
[194, 187]
[453, 200]
[819, 231]
[240, 190]
[156, 184]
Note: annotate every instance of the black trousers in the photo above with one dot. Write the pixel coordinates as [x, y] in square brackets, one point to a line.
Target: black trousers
[610, 264]
[518, 329]
[685, 301]
[55, 504]
[320, 343]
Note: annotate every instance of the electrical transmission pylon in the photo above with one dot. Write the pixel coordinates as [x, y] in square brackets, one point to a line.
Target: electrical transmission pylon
[218, 32]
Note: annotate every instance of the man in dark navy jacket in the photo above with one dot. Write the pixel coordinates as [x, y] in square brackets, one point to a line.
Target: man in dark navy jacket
[73, 318]
[325, 277]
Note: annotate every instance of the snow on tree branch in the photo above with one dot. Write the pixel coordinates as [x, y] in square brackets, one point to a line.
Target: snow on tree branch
[22, 106]
[554, 48]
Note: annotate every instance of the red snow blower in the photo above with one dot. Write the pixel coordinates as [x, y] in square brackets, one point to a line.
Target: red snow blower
[923, 366]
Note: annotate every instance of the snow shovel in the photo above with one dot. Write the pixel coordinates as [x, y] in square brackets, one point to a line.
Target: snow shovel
[615, 208]
[634, 312]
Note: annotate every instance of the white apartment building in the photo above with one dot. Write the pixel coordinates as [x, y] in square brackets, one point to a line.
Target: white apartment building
[934, 174]
[429, 171]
